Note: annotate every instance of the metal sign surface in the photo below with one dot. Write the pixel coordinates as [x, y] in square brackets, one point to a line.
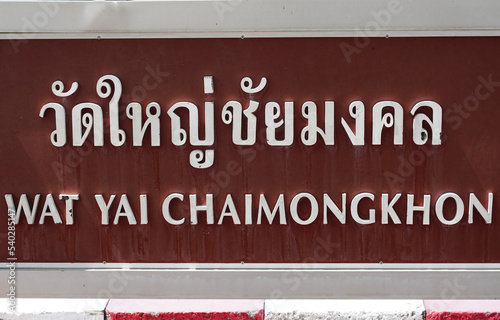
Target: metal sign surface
[325, 150]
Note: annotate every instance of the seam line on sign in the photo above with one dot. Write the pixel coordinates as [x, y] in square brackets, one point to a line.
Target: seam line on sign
[348, 33]
[262, 266]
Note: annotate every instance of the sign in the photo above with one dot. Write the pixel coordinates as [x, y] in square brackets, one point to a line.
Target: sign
[318, 150]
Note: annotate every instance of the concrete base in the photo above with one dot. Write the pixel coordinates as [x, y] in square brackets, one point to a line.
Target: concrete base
[172, 309]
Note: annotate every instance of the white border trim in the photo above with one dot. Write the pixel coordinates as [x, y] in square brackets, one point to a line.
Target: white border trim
[250, 18]
[255, 281]
[257, 284]
[247, 18]
[235, 35]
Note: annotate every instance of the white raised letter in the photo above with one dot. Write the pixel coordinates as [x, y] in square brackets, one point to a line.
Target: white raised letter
[459, 211]
[248, 209]
[208, 207]
[420, 135]
[329, 204]
[134, 112]
[58, 136]
[474, 203]
[388, 210]
[144, 208]
[314, 208]
[263, 206]
[117, 134]
[88, 120]
[354, 208]
[426, 209]
[104, 207]
[357, 111]
[388, 120]
[24, 205]
[311, 131]
[272, 114]
[58, 89]
[179, 135]
[166, 209]
[229, 204]
[236, 115]
[69, 206]
[197, 158]
[50, 210]
[124, 210]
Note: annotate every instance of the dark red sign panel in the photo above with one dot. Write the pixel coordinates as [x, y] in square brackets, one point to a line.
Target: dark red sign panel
[255, 150]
